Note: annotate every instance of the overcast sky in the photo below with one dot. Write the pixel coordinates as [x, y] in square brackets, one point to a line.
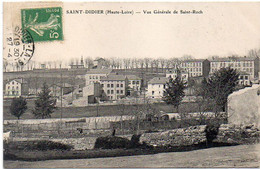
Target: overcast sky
[223, 29]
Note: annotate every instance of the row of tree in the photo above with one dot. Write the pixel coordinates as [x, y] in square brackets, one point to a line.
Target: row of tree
[113, 62]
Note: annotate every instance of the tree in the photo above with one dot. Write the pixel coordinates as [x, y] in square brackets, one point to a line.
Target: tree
[221, 84]
[45, 103]
[18, 107]
[174, 91]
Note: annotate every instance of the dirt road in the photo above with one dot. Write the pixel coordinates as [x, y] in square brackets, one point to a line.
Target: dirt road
[234, 156]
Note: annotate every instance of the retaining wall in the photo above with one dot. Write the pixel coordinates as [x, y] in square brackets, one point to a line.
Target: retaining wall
[176, 137]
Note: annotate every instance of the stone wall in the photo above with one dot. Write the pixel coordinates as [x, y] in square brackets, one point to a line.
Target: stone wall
[244, 106]
[229, 133]
[177, 137]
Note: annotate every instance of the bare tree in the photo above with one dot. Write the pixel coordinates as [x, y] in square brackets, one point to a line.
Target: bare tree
[254, 53]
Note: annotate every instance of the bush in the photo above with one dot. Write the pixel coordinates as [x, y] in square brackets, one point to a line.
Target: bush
[113, 142]
[212, 131]
[39, 145]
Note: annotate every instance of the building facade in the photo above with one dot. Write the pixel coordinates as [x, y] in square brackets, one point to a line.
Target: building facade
[134, 82]
[100, 63]
[196, 67]
[156, 87]
[114, 86]
[16, 88]
[249, 65]
[94, 75]
[173, 73]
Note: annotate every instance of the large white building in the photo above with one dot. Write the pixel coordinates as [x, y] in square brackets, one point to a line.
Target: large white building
[156, 87]
[114, 86]
[249, 65]
[196, 67]
[94, 75]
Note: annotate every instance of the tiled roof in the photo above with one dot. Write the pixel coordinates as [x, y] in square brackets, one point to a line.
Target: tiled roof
[158, 80]
[19, 80]
[133, 77]
[99, 59]
[194, 60]
[113, 78]
[99, 71]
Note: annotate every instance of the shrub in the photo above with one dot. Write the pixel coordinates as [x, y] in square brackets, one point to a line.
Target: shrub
[212, 131]
[112, 142]
[39, 145]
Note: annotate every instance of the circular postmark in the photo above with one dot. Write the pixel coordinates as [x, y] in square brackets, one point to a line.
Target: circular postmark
[19, 47]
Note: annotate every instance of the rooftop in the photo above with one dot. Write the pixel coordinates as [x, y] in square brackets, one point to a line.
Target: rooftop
[19, 80]
[194, 60]
[113, 78]
[158, 80]
[99, 71]
[245, 58]
[133, 77]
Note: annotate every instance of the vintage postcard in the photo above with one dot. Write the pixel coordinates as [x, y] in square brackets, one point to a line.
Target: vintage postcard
[131, 84]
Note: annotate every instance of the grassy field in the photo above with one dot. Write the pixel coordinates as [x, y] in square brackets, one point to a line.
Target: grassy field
[231, 156]
[91, 111]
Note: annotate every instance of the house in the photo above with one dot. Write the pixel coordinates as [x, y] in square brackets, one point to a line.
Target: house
[196, 67]
[61, 88]
[173, 73]
[134, 83]
[114, 86]
[244, 79]
[156, 87]
[249, 65]
[15, 88]
[92, 92]
[94, 75]
[78, 66]
[100, 63]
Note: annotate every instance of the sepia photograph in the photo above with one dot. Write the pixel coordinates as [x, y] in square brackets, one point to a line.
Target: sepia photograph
[130, 84]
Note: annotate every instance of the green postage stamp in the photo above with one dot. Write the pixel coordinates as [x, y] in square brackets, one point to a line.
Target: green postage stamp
[44, 24]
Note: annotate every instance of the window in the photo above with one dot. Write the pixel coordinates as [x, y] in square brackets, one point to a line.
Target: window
[152, 92]
[133, 82]
[108, 91]
[13, 82]
[117, 91]
[96, 77]
[122, 85]
[8, 87]
[117, 85]
[102, 85]
[164, 86]
[112, 91]
[122, 91]
[16, 87]
[137, 82]
[108, 85]
[112, 85]
[246, 77]
[111, 97]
